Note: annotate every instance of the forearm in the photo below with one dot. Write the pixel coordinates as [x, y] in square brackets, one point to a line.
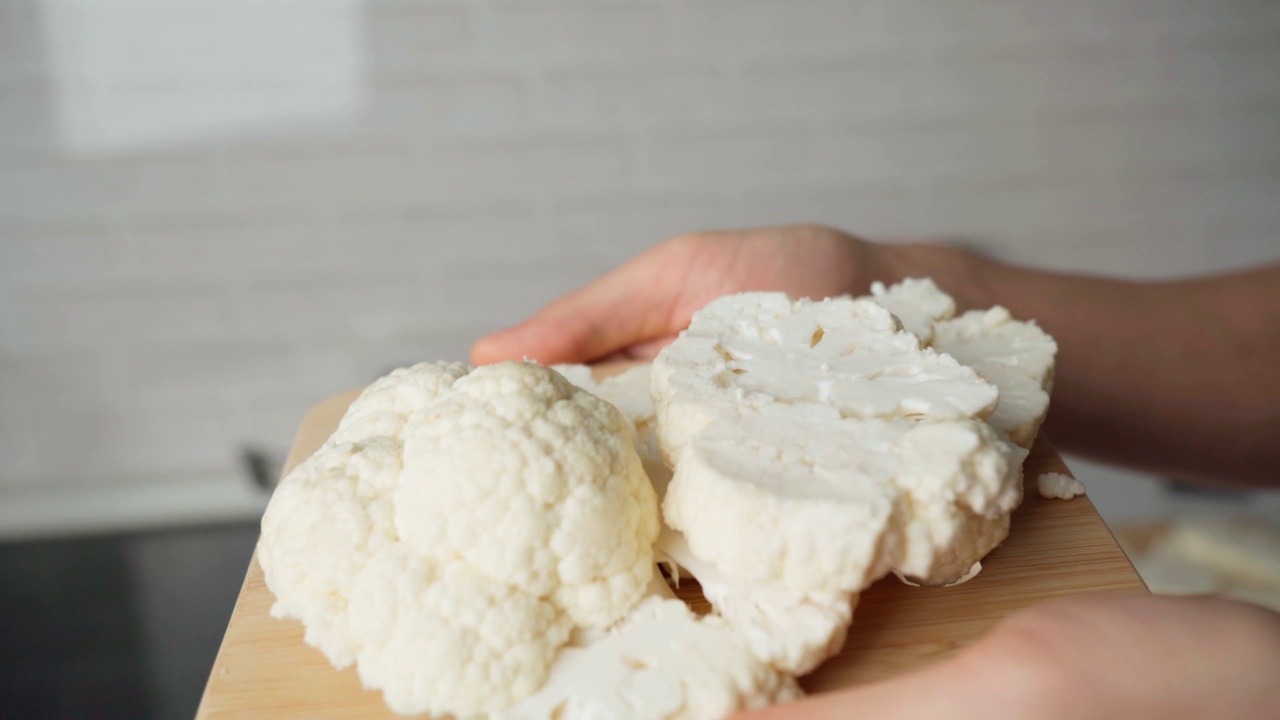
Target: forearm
[1177, 377]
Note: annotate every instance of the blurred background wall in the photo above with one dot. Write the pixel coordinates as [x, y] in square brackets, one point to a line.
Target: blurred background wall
[215, 213]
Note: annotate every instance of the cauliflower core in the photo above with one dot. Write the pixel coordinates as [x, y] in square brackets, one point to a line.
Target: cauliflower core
[457, 529]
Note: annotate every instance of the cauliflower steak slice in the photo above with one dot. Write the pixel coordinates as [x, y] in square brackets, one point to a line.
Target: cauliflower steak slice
[1016, 356]
[744, 351]
[818, 446]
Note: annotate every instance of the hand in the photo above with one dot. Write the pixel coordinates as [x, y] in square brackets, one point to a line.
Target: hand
[1086, 657]
[640, 307]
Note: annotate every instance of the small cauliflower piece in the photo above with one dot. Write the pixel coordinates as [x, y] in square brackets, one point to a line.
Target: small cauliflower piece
[790, 631]
[444, 639]
[917, 302]
[962, 481]
[663, 662]
[1018, 357]
[535, 483]
[1058, 486]
[383, 407]
[744, 351]
[323, 524]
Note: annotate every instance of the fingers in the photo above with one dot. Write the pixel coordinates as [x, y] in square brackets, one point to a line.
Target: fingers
[630, 307]
[941, 690]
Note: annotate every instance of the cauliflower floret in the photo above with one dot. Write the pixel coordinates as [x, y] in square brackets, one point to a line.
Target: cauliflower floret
[445, 639]
[745, 351]
[917, 303]
[661, 662]
[324, 522]
[382, 409]
[791, 631]
[452, 566]
[629, 392]
[1058, 486]
[534, 483]
[1015, 356]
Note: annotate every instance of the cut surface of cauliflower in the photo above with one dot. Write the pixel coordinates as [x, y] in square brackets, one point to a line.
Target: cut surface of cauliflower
[661, 662]
[1016, 356]
[832, 504]
[917, 302]
[1057, 486]
[744, 351]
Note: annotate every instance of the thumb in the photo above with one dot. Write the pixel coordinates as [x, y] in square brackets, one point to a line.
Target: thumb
[631, 304]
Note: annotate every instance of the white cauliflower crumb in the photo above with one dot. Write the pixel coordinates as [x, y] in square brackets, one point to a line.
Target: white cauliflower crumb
[1058, 486]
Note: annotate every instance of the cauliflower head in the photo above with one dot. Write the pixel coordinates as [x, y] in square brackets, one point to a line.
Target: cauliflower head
[456, 531]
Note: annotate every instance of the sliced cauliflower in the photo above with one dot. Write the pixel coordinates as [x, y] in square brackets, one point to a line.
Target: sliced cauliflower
[444, 639]
[962, 480]
[818, 446]
[661, 662]
[805, 500]
[744, 351]
[1016, 356]
[917, 302]
[384, 406]
[325, 521]
[534, 483]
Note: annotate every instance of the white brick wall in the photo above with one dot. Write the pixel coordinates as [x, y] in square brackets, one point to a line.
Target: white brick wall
[214, 214]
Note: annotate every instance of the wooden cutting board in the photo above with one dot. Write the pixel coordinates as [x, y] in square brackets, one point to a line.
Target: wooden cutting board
[1055, 548]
